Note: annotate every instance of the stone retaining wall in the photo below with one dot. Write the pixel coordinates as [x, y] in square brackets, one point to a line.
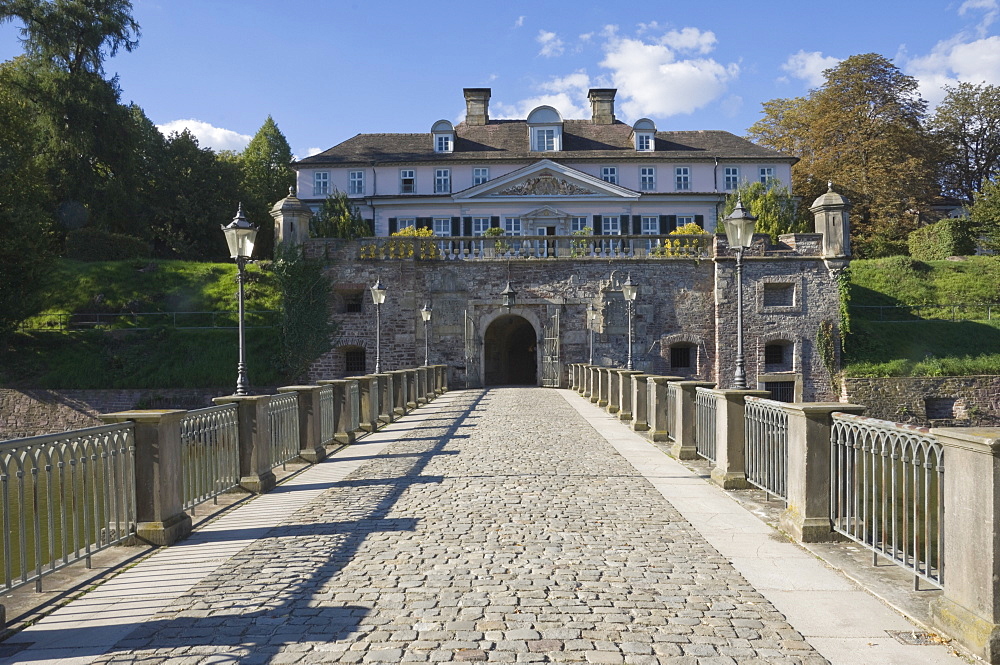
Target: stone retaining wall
[33, 412]
[944, 401]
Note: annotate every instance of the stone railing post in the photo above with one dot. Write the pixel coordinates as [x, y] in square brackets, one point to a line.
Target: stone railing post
[625, 404]
[442, 384]
[969, 609]
[256, 474]
[614, 390]
[345, 424]
[597, 379]
[311, 447]
[411, 388]
[684, 446]
[159, 505]
[593, 383]
[605, 394]
[807, 513]
[430, 376]
[640, 403]
[386, 397]
[399, 387]
[420, 397]
[369, 395]
[656, 408]
[730, 421]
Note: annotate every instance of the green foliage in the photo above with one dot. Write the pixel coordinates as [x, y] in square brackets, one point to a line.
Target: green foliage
[306, 327]
[772, 205]
[690, 229]
[966, 125]
[948, 237]
[578, 246]
[265, 177]
[985, 215]
[827, 348]
[900, 280]
[89, 244]
[863, 130]
[339, 218]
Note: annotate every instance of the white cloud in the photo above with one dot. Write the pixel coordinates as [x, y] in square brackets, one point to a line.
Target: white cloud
[552, 46]
[313, 151]
[989, 8]
[208, 135]
[810, 66]
[519, 21]
[567, 94]
[654, 80]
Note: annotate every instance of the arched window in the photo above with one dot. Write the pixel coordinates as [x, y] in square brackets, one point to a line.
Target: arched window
[354, 359]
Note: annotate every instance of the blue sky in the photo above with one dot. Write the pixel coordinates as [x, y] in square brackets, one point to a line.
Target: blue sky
[329, 69]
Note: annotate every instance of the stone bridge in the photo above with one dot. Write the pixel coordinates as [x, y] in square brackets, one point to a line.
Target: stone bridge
[524, 524]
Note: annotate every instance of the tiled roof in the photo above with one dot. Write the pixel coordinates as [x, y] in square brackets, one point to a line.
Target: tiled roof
[503, 140]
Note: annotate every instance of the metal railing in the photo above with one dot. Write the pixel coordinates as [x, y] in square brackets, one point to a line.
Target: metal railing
[283, 417]
[209, 453]
[766, 446]
[671, 410]
[887, 492]
[64, 497]
[147, 320]
[942, 312]
[327, 426]
[704, 419]
[530, 247]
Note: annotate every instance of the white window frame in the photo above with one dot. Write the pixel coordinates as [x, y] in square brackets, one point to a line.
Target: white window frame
[403, 222]
[609, 174]
[442, 181]
[321, 183]
[767, 175]
[545, 139]
[611, 225]
[650, 225]
[512, 226]
[356, 182]
[578, 223]
[647, 178]
[644, 142]
[480, 174]
[731, 178]
[404, 175]
[682, 178]
[443, 143]
[479, 225]
[442, 226]
[684, 219]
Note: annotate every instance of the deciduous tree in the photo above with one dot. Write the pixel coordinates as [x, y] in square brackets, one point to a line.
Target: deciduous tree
[967, 126]
[339, 218]
[772, 205]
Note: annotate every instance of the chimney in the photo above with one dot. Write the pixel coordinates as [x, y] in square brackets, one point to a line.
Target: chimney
[477, 106]
[602, 105]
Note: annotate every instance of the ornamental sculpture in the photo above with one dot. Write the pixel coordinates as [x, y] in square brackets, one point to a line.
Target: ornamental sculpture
[545, 185]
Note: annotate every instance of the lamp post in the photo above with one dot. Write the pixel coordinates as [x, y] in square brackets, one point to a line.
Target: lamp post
[378, 297]
[508, 296]
[739, 233]
[240, 236]
[425, 314]
[591, 320]
[629, 291]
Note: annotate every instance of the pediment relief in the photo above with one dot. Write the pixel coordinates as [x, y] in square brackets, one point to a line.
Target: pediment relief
[544, 185]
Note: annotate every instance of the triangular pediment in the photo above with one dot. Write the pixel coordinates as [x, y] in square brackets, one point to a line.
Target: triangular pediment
[546, 179]
[545, 212]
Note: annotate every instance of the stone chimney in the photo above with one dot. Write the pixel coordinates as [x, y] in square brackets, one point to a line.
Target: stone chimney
[602, 105]
[477, 106]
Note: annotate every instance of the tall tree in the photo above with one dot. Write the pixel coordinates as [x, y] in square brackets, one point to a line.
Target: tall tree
[985, 214]
[339, 218]
[862, 129]
[967, 125]
[265, 179]
[772, 205]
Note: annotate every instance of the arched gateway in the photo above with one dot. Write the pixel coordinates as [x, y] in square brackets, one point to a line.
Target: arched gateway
[510, 352]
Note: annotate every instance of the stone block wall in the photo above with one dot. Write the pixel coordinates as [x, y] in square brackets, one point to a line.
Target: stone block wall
[947, 401]
[26, 413]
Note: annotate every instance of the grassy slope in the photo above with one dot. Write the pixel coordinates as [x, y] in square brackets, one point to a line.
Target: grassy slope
[923, 348]
[157, 358]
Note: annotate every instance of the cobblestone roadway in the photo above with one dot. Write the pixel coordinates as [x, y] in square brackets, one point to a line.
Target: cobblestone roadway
[504, 530]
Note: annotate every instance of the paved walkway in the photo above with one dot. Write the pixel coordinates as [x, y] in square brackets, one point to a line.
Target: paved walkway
[509, 525]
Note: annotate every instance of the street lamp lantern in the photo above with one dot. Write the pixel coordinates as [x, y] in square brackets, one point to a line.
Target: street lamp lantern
[508, 296]
[425, 314]
[739, 232]
[378, 297]
[630, 290]
[240, 236]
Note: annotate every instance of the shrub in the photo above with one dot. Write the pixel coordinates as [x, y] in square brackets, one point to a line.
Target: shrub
[949, 237]
[90, 244]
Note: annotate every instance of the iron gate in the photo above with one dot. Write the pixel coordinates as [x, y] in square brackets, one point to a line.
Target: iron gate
[551, 371]
[473, 349]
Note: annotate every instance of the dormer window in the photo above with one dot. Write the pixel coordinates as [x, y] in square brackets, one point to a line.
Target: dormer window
[545, 129]
[444, 136]
[644, 133]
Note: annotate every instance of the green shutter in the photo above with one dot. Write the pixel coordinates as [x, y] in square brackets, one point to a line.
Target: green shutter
[700, 220]
[467, 226]
[598, 225]
[425, 223]
[456, 226]
[392, 225]
[494, 222]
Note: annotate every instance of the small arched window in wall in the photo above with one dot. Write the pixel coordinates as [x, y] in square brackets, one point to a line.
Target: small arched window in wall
[354, 359]
[683, 358]
[778, 356]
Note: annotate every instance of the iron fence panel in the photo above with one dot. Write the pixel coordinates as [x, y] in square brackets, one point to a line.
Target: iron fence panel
[283, 417]
[64, 497]
[766, 445]
[886, 491]
[209, 453]
[705, 405]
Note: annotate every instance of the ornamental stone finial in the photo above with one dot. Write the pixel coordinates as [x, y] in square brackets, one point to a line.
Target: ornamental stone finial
[829, 185]
[291, 190]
